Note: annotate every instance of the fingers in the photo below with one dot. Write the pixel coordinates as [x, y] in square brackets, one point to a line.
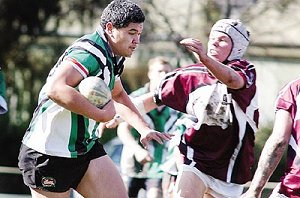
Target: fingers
[157, 136]
[192, 44]
[190, 41]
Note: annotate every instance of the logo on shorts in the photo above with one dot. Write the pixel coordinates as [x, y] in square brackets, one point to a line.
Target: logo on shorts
[48, 182]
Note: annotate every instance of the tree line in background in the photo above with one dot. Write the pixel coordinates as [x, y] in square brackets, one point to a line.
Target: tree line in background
[29, 47]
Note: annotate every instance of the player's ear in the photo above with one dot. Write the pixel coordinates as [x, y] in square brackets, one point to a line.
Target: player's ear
[109, 28]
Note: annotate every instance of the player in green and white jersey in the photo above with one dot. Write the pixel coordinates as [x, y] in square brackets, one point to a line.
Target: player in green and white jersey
[60, 149]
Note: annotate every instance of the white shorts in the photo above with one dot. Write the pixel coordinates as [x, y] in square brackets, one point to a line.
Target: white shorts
[215, 187]
[275, 193]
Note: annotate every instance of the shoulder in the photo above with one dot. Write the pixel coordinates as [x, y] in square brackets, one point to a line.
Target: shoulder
[92, 45]
[294, 84]
[291, 88]
[193, 67]
[241, 63]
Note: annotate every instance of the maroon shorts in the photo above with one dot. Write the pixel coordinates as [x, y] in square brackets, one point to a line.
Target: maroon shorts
[55, 174]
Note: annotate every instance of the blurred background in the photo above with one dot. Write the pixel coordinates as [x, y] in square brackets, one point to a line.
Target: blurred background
[34, 33]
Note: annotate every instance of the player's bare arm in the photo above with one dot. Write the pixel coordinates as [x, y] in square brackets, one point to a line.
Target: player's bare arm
[127, 110]
[61, 90]
[144, 103]
[147, 101]
[271, 154]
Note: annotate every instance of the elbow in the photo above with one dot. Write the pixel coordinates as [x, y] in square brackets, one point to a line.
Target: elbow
[52, 93]
[235, 83]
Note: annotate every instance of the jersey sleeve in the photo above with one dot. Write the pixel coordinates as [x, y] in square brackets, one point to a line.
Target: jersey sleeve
[286, 98]
[175, 88]
[83, 61]
[246, 70]
[172, 92]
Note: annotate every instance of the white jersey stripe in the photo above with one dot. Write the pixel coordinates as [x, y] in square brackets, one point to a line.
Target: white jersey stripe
[294, 145]
[242, 128]
[87, 46]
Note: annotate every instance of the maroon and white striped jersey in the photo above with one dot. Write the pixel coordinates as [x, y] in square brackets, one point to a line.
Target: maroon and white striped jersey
[289, 100]
[221, 143]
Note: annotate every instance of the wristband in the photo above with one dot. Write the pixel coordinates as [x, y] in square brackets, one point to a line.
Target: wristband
[118, 118]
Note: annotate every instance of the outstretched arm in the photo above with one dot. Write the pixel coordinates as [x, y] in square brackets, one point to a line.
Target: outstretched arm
[127, 110]
[144, 103]
[271, 153]
[225, 74]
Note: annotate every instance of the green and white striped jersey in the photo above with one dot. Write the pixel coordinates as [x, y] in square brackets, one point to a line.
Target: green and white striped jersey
[57, 131]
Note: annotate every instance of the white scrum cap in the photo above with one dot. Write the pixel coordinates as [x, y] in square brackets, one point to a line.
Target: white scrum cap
[238, 33]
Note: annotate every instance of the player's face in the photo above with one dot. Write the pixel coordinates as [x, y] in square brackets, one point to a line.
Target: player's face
[219, 46]
[124, 41]
[157, 71]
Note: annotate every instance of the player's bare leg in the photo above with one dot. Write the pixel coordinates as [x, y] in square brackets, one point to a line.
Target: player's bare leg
[102, 179]
[189, 185]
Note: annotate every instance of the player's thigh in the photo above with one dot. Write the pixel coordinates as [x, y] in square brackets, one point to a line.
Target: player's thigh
[37, 193]
[102, 179]
[189, 185]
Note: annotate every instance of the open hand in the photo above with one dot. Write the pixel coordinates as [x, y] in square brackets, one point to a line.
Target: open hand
[194, 45]
[154, 135]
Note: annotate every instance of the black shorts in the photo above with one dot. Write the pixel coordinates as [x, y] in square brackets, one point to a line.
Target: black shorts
[55, 174]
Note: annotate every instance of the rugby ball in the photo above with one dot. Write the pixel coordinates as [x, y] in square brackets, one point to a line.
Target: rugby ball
[95, 90]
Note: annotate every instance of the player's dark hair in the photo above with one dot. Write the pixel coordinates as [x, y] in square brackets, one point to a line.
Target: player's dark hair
[121, 13]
